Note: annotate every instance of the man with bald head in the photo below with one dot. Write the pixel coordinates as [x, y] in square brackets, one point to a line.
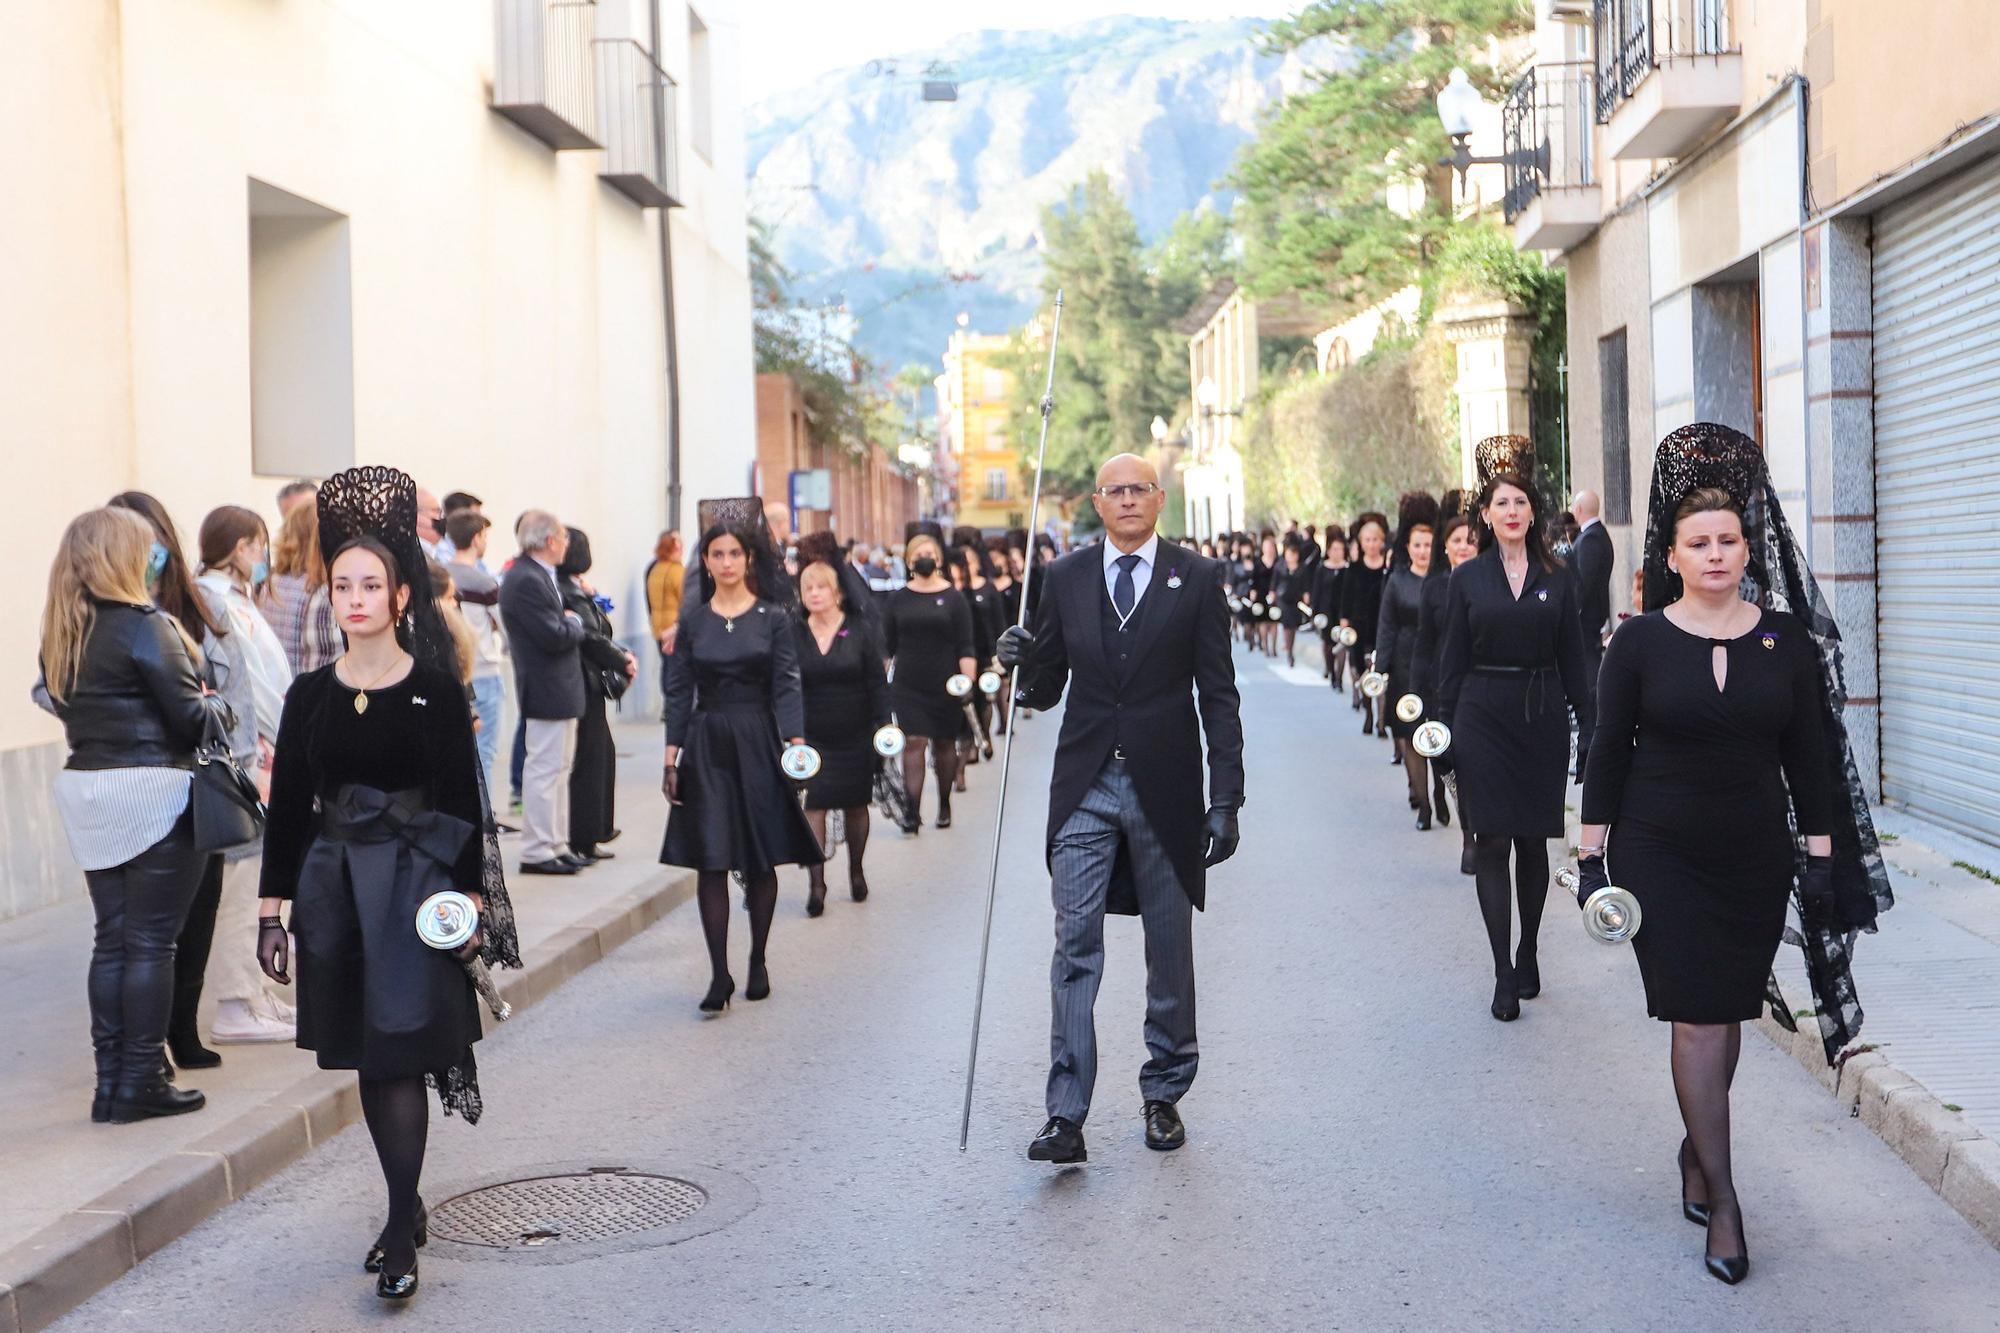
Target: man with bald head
[1138, 632]
[1593, 560]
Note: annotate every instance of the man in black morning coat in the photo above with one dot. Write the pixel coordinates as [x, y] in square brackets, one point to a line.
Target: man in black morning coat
[1592, 558]
[1139, 631]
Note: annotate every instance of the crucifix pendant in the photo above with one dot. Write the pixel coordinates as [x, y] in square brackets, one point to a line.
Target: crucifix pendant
[728, 625]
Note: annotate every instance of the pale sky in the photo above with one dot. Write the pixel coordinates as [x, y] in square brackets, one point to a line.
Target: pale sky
[788, 43]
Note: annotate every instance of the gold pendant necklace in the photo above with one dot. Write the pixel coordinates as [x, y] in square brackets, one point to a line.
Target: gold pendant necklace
[361, 692]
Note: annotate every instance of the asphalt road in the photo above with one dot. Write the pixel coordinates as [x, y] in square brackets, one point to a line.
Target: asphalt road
[1367, 1148]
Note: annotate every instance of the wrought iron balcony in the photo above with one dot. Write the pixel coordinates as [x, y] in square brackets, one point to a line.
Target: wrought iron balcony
[637, 121]
[1547, 123]
[1668, 72]
[543, 79]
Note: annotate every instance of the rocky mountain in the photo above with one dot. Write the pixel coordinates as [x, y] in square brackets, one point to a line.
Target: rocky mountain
[906, 211]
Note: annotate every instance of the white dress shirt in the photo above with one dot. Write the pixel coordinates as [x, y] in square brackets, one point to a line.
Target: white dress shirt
[1142, 573]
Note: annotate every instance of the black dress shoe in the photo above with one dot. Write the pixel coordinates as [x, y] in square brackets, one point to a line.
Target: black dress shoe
[758, 985]
[1466, 865]
[373, 1263]
[554, 866]
[816, 900]
[397, 1286]
[1164, 1130]
[159, 1098]
[944, 817]
[189, 1053]
[719, 991]
[1696, 1213]
[1732, 1270]
[1527, 977]
[857, 887]
[1061, 1142]
[581, 860]
[1423, 821]
[1506, 1000]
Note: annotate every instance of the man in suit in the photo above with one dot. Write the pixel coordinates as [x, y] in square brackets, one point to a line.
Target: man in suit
[1593, 559]
[1139, 632]
[548, 679]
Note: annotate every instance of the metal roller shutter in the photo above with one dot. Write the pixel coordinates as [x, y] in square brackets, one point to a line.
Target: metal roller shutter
[1937, 499]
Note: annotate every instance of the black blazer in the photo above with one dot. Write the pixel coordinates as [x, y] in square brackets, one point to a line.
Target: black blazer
[1592, 561]
[548, 670]
[1178, 685]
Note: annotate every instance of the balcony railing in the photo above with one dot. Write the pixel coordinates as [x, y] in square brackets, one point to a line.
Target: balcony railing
[636, 119]
[1546, 133]
[1633, 37]
[542, 75]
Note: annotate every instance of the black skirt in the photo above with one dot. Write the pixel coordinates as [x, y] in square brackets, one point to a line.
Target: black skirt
[738, 811]
[373, 997]
[1510, 744]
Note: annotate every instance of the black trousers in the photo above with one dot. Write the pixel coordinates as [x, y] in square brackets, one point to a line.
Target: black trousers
[197, 938]
[141, 906]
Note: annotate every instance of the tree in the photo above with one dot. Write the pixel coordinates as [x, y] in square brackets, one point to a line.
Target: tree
[1320, 183]
[843, 404]
[1120, 363]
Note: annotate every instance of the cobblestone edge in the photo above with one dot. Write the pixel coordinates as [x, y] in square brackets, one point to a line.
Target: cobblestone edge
[59, 1267]
[1939, 1144]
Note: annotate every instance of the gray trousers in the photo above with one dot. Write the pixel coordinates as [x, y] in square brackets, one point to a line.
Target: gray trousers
[1086, 849]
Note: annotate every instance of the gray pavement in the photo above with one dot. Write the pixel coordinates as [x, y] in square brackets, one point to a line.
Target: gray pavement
[1368, 1149]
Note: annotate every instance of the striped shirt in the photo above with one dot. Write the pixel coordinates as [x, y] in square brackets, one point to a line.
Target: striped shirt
[113, 814]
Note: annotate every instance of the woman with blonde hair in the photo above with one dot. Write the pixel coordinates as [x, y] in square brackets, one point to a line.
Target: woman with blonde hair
[121, 676]
[295, 599]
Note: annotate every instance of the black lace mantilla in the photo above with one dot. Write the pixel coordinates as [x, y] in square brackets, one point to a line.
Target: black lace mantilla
[745, 514]
[381, 502]
[1710, 455]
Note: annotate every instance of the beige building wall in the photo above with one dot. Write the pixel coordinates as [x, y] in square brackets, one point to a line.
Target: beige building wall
[507, 325]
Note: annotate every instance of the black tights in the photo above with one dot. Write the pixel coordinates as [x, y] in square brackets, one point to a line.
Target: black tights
[711, 891]
[855, 821]
[398, 1113]
[1416, 769]
[944, 760]
[1704, 1064]
[1531, 887]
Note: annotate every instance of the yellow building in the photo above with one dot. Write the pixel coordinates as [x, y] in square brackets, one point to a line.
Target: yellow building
[973, 396]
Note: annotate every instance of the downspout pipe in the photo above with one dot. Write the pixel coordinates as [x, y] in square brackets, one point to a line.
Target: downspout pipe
[667, 290]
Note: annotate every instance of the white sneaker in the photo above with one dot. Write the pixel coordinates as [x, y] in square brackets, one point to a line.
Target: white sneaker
[236, 1023]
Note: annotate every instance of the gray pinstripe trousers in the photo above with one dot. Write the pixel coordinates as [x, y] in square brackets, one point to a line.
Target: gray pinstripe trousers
[1086, 850]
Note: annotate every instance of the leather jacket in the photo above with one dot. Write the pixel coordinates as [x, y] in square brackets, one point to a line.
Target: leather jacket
[137, 702]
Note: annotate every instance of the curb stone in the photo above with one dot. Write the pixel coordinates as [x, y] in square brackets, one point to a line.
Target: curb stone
[65, 1263]
[1940, 1145]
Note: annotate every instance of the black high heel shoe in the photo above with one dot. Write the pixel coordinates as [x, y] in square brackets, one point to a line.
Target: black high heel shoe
[1696, 1213]
[1438, 800]
[758, 986]
[373, 1263]
[397, 1286]
[1527, 976]
[719, 991]
[816, 899]
[1423, 820]
[1506, 1004]
[1732, 1270]
[944, 814]
[857, 887]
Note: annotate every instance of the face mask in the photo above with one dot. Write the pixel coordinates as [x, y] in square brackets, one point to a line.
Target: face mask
[259, 572]
[924, 566]
[156, 563]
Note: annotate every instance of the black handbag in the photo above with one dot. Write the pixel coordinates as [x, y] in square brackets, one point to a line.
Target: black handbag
[612, 682]
[223, 801]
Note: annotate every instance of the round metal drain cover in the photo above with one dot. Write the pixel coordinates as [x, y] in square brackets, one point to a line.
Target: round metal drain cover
[567, 1213]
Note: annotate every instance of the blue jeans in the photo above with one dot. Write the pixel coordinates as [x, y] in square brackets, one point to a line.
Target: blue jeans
[489, 694]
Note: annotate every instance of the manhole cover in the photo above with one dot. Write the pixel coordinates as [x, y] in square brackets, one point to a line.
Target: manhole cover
[573, 1212]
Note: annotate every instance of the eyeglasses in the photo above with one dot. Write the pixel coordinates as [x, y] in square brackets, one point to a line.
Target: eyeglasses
[1131, 490]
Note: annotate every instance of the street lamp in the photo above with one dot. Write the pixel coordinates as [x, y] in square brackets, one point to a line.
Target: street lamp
[1159, 430]
[1209, 399]
[1457, 105]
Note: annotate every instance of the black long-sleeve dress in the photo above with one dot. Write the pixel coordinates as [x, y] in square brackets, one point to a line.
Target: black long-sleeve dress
[593, 776]
[397, 819]
[1506, 667]
[1430, 640]
[926, 633]
[733, 693]
[1361, 604]
[846, 702]
[1693, 781]
[1288, 586]
[1243, 582]
[1396, 641]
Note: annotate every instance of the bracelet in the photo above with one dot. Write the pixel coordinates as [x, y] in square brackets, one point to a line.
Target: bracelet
[270, 923]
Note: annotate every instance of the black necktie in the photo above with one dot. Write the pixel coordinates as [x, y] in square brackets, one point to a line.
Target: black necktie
[1123, 594]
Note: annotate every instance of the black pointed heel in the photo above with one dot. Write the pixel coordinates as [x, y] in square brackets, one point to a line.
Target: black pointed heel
[373, 1263]
[1423, 821]
[1731, 1271]
[1696, 1213]
[1506, 1000]
[1527, 977]
[719, 991]
[758, 987]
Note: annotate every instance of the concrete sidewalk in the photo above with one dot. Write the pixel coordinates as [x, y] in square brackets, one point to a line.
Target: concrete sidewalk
[80, 1202]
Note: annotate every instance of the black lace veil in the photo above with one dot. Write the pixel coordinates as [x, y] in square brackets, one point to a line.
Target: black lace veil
[744, 516]
[1710, 455]
[381, 502]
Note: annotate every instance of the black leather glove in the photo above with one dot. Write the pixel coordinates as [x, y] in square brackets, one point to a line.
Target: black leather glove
[1590, 877]
[274, 950]
[1816, 886]
[671, 785]
[1013, 646]
[1221, 835]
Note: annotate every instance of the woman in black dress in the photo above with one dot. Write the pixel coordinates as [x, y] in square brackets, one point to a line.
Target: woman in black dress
[846, 702]
[1720, 770]
[969, 579]
[1004, 583]
[732, 691]
[375, 805]
[1396, 648]
[1326, 603]
[1513, 652]
[608, 671]
[1291, 587]
[927, 632]
[1361, 604]
[1460, 544]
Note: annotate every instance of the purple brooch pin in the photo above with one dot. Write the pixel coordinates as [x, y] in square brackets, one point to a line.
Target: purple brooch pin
[1770, 640]
[1541, 594]
[1173, 578]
